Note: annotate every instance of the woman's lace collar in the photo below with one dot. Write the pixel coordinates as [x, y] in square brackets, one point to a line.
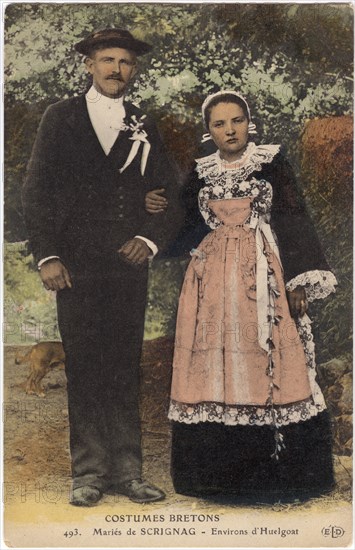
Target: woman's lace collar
[252, 160]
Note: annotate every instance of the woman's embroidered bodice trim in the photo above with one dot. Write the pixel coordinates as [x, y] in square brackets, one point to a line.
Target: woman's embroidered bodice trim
[260, 192]
[222, 182]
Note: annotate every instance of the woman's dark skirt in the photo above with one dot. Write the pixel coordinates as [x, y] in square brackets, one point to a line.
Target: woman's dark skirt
[210, 459]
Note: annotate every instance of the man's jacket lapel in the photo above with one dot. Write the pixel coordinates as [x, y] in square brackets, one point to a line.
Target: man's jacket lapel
[87, 143]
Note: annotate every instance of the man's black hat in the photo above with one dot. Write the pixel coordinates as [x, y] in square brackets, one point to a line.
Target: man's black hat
[110, 38]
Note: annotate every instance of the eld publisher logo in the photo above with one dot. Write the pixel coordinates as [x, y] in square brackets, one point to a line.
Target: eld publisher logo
[333, 532]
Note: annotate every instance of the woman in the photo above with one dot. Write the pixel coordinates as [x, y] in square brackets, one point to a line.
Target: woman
[248, 416]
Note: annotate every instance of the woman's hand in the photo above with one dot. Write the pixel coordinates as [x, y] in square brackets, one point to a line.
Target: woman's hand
[154, 202]
[297, 301]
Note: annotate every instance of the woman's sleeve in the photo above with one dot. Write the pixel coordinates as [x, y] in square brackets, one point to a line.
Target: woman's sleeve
[301, 254]
[194, 228]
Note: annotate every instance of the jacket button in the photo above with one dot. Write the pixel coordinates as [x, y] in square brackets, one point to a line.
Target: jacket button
[120, 215]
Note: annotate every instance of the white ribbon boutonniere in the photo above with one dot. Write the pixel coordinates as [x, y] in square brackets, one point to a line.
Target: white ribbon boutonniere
[139, 135]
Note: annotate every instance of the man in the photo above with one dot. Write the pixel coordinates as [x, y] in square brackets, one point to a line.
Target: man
[95, 158]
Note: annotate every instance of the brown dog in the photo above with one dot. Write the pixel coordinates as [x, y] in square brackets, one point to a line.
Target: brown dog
[42, 358]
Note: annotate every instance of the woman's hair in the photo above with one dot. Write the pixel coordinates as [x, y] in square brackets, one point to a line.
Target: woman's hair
[224, 98]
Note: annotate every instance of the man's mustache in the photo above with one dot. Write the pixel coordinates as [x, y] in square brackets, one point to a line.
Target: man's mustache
[114, 77]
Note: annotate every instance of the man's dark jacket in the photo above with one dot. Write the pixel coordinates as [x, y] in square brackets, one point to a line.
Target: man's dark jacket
[69, 170]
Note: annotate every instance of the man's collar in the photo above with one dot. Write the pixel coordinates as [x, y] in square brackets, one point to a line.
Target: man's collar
[94, 97]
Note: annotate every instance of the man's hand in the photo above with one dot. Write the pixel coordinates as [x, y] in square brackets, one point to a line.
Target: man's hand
[135, 251]
[297, 301]
[154, 202]
[55, 275]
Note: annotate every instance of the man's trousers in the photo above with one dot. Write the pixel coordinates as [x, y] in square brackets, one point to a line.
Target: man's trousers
[101, 322]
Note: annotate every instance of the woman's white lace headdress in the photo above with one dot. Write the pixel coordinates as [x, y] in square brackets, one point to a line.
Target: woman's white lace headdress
[251, 125]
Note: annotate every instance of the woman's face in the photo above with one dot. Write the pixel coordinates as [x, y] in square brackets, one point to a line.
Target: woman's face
[228, 127]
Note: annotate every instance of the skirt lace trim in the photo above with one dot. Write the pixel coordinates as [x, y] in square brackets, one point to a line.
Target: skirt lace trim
[244, 415]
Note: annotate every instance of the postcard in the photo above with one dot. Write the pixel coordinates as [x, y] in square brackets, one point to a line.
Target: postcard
[177, 315]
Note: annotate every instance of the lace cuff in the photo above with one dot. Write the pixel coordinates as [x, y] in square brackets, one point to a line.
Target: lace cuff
[318, 284]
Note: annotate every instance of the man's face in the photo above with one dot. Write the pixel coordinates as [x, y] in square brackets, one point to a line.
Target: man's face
[112, 69]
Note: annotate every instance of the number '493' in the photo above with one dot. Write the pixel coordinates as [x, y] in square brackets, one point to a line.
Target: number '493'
[70, 534]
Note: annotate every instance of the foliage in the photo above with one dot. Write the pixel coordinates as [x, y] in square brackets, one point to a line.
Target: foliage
[333, 317]
[29, 311]
[40, 61]
[165, 280]
[282, 94]
[21, 123]
[291, 29]
[327, 149]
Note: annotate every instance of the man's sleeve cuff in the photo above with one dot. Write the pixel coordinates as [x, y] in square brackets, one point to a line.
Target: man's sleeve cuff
[44, 260]
[153, 247]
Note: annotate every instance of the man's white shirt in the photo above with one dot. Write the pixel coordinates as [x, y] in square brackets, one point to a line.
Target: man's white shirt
[106, 116]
